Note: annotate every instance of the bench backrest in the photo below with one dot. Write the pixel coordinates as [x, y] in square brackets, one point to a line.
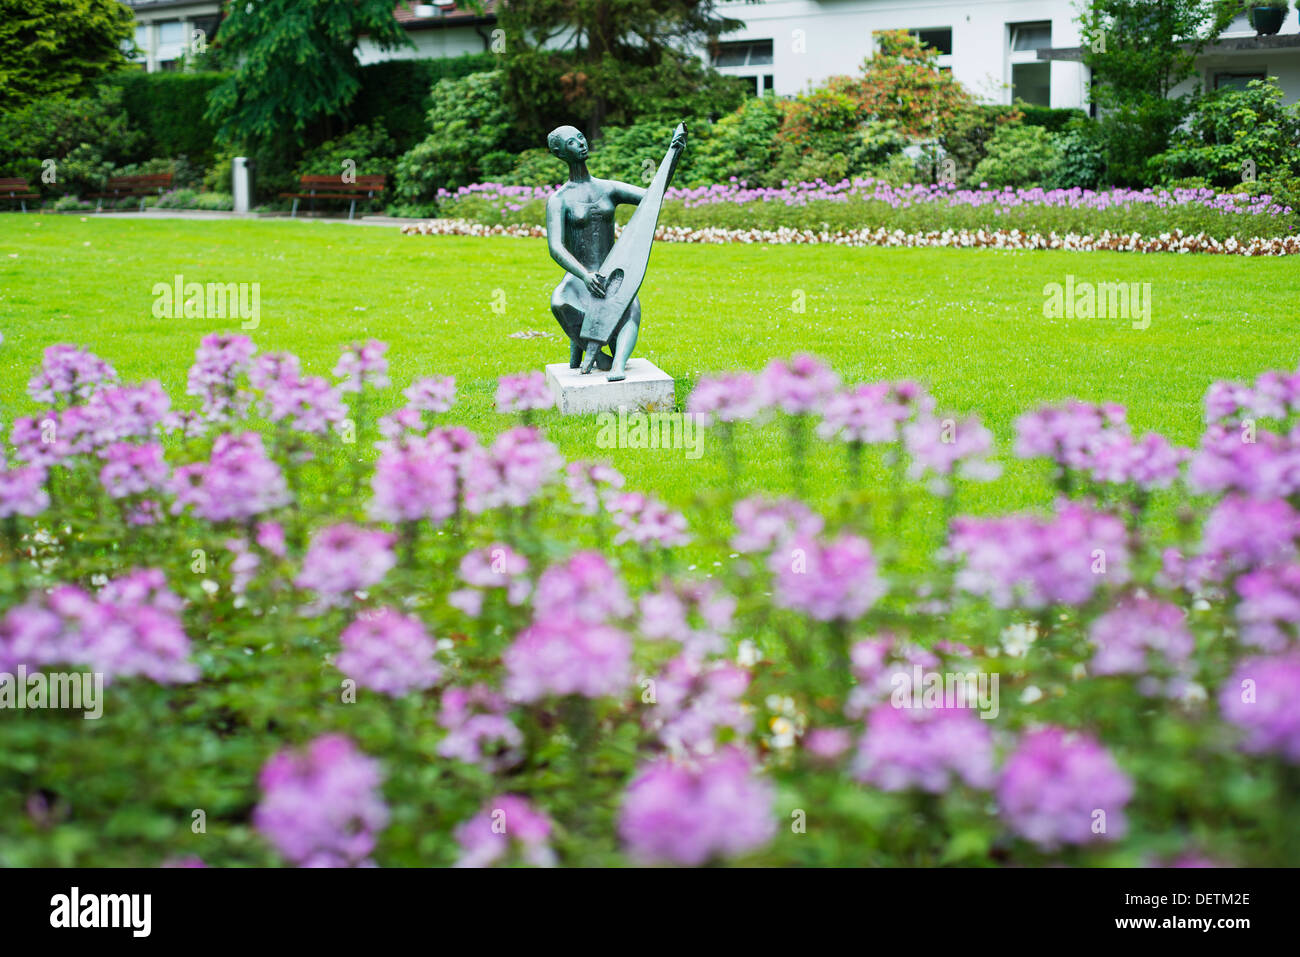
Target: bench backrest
[13, 183]
[146, 181]
[367, 182]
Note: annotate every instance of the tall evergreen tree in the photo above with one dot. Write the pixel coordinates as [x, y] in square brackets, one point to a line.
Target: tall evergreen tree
[52, 48]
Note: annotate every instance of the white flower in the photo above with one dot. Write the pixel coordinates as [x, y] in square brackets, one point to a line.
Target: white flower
[1016, 639]
[1030, 695]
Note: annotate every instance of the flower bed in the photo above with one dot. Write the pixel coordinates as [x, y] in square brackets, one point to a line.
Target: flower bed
[335, 638]
[868, 206]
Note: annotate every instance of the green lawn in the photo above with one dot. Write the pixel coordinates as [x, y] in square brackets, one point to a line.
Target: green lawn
[970, 323]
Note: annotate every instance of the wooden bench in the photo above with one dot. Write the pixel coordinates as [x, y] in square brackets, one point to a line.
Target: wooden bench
[333, 187]
[18, 189]
[122, 187]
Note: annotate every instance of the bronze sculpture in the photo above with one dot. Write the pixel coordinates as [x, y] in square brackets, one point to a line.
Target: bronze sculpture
[595, 303]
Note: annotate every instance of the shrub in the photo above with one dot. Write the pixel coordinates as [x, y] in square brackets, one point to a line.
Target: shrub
[1083, 159]
[535, 167]
[741, 144]
[178, 199]
[370, 150]
[396, 94]
[87, 138]
[168, 109]
[469, 121]
[1236, 135]
[1049, 118]
[1024, 156]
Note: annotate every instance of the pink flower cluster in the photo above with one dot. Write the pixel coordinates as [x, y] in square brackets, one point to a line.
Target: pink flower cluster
[1059, 787]
[220, 363]
[388, 652]
[344, 559]
[130, 628]
[524, 392]
[567, 656]
[478, 731]
[69, 373]
[504, 823]
[362, 365]
[644, 520]
[828, 581]
[697, 811]
[1021, 560]
[1260, 699]
[237, 483]
[693, 701]
[696, 614]
[322, 807]
[924, 748]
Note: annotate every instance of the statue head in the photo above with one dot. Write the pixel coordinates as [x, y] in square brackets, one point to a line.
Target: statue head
[568, 143]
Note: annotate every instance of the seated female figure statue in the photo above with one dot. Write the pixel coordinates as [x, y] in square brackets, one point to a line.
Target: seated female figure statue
[580, 234]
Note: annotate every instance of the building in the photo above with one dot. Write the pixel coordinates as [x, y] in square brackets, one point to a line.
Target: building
[999, 49]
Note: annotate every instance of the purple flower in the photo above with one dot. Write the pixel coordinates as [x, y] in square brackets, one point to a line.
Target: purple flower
[69, 372]
[567, 656]
[518, 466]
[1020, 560]
[696, 614]
[1265, 465]
[414, 481]
[584, 587]
[929, 749]
[828, 744]
[762, 525]
[1067, 434]
[130, 628]
[344, 559]
[1245, 533]
[322, 807]
[646, 521]
[523, 393]
[22, 491]
[308, 405]
[694, 812]
[801, 386]
[872, 413]
[214, 378]
[275, 369]
[726, 398]
[693, 701]
[1139, 633]
[591, 483]
[505, 822]
[128, 412]
[133, 469]
[388, 652]
[1149, 463]
[497, 566]
[1260, 698]
[237, 483]
[940, 446]
[478, 731]
[1269, 611]
[835, 581]
[362, 365]
[1060, 788]
[434, 394]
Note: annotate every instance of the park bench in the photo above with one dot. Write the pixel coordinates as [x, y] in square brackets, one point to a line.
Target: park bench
[121, 187]
[333, 187]
[18, 189]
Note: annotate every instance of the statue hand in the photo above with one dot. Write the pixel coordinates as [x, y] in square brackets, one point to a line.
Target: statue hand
[595, 283]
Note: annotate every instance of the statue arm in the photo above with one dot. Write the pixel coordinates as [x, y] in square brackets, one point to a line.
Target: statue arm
[626, 193]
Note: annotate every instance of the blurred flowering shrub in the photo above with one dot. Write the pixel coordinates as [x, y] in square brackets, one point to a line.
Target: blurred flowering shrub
[332, 637]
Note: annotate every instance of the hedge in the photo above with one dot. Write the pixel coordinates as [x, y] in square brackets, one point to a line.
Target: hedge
[168, 108]
[396, 92]
[1053, 120]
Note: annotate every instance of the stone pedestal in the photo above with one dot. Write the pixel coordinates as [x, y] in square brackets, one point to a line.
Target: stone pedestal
[646, 387]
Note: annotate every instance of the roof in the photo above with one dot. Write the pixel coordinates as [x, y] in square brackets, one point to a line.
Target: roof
[455, 16]
[1286, 41]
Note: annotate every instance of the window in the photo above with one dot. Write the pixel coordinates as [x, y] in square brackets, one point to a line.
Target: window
[743, 53]
[1235, 81]
[173, 31]
[938, 39]
[1028, 37]
[1030, 78]
[1032, 82]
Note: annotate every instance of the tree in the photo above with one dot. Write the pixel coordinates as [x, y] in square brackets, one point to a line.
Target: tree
[296, 67]
[619, 61]
[1139, 53]
[51, 48]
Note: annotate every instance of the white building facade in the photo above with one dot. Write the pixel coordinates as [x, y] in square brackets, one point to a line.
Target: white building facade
[1000, 50]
